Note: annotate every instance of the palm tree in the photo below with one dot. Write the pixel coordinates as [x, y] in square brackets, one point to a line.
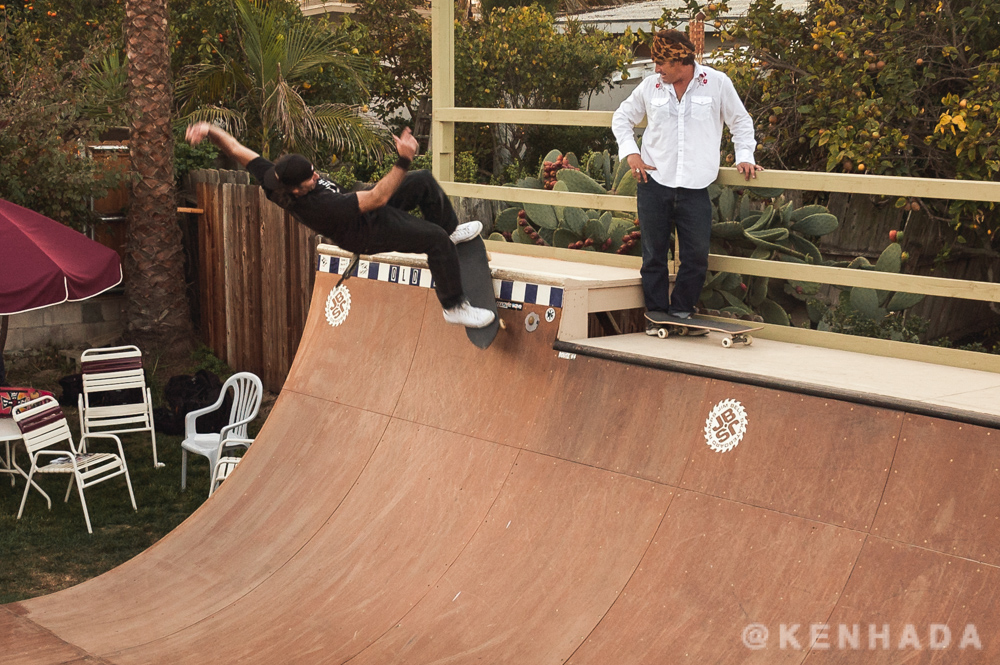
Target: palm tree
[258, 95]
[156, 303]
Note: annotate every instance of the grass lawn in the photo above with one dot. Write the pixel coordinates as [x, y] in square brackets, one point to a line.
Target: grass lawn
[46, 551]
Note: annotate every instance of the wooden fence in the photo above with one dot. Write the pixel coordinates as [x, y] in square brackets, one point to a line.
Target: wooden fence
[256, 270]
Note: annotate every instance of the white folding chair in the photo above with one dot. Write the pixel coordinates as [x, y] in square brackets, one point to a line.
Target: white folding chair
[247, 392]
[111, 369]
[46, 435]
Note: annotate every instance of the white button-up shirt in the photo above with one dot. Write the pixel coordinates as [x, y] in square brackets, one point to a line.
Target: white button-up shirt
[683, 137]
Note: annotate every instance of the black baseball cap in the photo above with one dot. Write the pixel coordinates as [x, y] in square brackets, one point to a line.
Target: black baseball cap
[289, 171]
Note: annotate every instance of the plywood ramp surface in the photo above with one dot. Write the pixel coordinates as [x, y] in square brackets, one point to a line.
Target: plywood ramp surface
[413, 499]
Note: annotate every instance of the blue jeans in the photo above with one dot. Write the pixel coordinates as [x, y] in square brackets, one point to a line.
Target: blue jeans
[661, 210]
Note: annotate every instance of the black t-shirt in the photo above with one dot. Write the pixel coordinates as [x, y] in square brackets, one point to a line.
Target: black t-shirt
[327, 209]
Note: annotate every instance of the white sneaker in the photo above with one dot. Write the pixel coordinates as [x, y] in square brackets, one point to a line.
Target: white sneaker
[465, 314]
[467, 231]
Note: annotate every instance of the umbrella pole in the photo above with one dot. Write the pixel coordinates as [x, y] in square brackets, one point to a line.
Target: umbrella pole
[3, 344]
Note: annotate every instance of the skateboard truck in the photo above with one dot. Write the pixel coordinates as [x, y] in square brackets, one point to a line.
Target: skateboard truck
[350, 268]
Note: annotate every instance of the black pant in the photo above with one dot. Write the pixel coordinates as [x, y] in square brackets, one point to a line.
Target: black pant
[661, 211]
[393, 229]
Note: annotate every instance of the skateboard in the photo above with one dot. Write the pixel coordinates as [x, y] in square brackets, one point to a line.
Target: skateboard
[736, 333]
[477, 282]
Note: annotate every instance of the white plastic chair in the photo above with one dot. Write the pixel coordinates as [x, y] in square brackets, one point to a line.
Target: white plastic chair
[115, 368]
[46, 435]
[223, 468]
[247, 394]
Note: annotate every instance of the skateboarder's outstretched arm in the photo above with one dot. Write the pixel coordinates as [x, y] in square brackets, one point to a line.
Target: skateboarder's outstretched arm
[379, 195]
[222, 139]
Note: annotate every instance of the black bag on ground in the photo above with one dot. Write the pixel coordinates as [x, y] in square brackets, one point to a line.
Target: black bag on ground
[72, 388]
[185, 393]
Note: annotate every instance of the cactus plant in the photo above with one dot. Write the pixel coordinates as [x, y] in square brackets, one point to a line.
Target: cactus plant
[755, 222]
[568, 226]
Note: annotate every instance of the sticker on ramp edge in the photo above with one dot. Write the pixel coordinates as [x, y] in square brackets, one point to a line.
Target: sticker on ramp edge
[509, 304]
[338, 305]
[531, 322]
[726, 425]
[550, 315]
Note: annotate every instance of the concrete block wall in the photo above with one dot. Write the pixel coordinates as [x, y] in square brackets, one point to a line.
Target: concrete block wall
[73, 324]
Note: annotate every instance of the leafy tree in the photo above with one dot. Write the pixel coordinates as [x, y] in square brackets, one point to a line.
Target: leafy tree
[199, 29]
[517, 58]
[258, 92]
[67, 29]
[398, 42]
[551, 6]
[43, 131]
[514, 58]
[866, 86]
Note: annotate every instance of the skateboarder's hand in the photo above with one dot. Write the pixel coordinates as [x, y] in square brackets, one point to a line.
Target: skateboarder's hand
[749, 170]
[406, 144]
[197, 132]
[639, 167]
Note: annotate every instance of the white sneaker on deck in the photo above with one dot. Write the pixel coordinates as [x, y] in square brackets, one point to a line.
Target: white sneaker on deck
[464, 314]
[467, 231]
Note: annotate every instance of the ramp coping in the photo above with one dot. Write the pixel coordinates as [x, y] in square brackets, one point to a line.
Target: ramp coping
[582, 288]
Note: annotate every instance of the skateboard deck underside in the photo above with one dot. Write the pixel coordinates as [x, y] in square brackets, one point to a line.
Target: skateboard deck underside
[477, 282]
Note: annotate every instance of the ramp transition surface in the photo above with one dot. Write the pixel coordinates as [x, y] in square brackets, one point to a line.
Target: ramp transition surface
[413, 499]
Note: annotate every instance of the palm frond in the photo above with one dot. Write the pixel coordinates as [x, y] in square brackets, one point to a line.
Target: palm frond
[286, 111]
[106, 85]
[232, 121]
[347, 129]
[251, 37]
[210, 83]
[261, 93]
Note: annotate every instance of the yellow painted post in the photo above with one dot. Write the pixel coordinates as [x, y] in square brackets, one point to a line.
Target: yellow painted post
[442, 88]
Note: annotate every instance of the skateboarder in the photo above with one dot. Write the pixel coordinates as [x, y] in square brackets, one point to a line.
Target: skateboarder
[370, 221]
[685, 105]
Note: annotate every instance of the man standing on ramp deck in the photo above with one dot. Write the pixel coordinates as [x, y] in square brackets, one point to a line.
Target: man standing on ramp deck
[685, 105]
[370, 221]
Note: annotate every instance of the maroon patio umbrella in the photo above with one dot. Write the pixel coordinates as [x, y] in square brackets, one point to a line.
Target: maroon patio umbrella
[43, 262]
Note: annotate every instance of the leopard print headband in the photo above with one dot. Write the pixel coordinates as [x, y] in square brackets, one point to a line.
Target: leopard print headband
[664, 50]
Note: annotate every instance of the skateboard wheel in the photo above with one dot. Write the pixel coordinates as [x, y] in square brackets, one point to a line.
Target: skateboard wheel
[683, 332]
[727, 342]
[662, 333]
[748, 341]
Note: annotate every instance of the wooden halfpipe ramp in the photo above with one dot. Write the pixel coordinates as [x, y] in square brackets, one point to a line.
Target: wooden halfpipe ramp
[412, 499]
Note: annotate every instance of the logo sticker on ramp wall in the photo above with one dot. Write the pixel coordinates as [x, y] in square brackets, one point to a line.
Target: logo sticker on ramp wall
[338, 305]
[726, 425]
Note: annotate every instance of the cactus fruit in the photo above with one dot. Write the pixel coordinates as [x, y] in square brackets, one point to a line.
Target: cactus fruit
[551, 169]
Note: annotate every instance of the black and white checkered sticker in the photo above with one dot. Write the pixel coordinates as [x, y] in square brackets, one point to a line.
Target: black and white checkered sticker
[505, 290]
